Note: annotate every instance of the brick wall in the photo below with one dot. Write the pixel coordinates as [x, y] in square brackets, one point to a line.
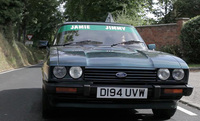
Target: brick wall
[162, 34]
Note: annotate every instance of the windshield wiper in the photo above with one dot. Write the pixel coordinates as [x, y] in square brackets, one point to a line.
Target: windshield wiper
[83, 42]
[126, 42]
[89, 41]
[69, 43]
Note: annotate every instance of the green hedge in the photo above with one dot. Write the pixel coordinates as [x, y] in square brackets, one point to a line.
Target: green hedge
[190, 37]
[173, 49]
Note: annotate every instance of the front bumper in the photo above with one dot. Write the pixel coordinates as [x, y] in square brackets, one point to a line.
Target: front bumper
[86, 96]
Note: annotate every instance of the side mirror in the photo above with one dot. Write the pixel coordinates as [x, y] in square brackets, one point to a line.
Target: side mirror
[43, 44]
[48, 46]
[152, 46]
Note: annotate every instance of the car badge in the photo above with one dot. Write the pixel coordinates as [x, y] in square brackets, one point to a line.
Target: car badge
[121, 74]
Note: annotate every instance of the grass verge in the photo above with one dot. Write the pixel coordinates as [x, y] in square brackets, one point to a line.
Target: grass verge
[16, 55]
[194, 65]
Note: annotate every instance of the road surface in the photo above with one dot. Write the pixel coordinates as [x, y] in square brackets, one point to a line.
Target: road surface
[20, 100]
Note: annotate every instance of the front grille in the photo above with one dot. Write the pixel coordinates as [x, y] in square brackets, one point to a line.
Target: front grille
[109, 75]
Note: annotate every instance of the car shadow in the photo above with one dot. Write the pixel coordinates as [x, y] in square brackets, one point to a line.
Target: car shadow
[20, 105]
[100, 115]
[25, 105]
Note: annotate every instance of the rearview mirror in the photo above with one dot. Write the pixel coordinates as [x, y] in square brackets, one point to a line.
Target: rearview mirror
[152, 46]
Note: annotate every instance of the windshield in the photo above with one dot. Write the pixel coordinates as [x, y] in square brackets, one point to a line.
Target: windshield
[99, 35]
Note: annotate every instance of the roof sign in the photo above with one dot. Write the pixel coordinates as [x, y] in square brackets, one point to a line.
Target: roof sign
[109, 18]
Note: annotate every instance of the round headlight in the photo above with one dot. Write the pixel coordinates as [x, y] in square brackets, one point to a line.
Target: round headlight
[178, 74]
[75, 72]
[163, 74]
[59, 71]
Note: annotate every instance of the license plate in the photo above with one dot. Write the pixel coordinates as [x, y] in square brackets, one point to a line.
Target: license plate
[118, 92]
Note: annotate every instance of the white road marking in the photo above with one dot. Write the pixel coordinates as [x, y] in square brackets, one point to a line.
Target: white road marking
[186, 111]
[16, 69]
[11, 70]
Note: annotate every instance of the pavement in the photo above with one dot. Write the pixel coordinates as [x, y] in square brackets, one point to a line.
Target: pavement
[194, 81]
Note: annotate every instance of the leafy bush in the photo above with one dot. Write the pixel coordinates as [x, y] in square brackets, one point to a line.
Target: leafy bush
[190, 37]
[173, 49]
[126, 19]
[135, 20]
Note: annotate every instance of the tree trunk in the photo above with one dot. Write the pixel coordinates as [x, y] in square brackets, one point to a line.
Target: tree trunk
[19, 31]
[24, 34]
[9, 32]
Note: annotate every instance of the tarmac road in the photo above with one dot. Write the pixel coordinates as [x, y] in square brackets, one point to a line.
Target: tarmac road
[194, 80]
[20, 100]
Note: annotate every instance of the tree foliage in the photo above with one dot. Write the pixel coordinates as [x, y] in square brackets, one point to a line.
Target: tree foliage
[180, 9]
[37, 17]
[9, 13]
[40, 18]
[135, 13]
[92, 10]
[187, 8]
[190, 37]
[97, 10]
[161, 9]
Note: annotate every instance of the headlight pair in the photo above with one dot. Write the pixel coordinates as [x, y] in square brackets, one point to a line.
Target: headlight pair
[177, 74]
[61, 71]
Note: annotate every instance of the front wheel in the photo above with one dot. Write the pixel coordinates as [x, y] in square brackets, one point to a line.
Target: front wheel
[164, 113]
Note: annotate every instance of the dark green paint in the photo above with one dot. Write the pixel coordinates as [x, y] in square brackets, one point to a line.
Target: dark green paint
[114, 57]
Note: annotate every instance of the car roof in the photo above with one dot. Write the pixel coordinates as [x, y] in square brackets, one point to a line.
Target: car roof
[95, 23]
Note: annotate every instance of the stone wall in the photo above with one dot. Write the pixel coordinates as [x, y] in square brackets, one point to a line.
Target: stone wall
[162, 34]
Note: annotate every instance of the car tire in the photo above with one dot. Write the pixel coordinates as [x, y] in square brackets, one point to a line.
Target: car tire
[163, 113]
[46, 107]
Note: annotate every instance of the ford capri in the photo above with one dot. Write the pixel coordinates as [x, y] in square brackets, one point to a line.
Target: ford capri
[108, 65]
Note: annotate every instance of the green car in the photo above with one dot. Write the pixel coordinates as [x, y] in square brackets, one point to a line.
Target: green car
[108, 65]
